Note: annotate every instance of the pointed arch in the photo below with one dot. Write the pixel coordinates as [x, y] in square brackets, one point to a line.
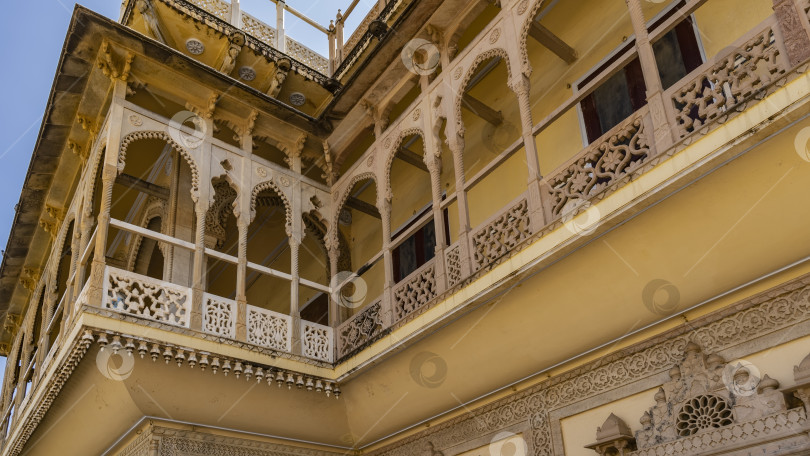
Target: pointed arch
[270, 185]
[391, 153]
[162, 136]
[342, 201]
[479, 59]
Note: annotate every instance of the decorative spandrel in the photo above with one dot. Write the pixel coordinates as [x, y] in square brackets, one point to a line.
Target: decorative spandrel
[707, 395]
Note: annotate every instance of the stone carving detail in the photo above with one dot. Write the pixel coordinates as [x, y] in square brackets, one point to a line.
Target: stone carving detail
[415, 291]
[163, 136]
[216, 219]
[316, 341]
[734, 79]
[788, 16]
[755, 432]
[620, 151]
[218, 8]
[452, 264]
[522, 7]
[757, 316]
[613, 438]
[493, 37]
[499, 236]
[307, 56]
[258, 29]
[360, 329]
[195, 46]
[144, 296]
[219, 316]
[705, 395]
[269, 329]
[703, 412]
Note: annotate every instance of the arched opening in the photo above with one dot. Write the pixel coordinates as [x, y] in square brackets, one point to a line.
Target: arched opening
[492, 125]
[268, 247]
[413, 233]
[476, 19]
[155, 174]
[360, 222]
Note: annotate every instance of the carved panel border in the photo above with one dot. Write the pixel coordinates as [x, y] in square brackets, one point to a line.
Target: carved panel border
[759, 315]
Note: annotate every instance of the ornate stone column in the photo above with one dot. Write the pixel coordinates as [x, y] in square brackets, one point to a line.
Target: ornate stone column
[795, 30]
[335, 317]
[652, 79]
[198, 274]
[295, 312]
[456, 143]
[241, 278]
[384, 205]
[521, 86]
[109, 172]
[432, 159]
[96, 281]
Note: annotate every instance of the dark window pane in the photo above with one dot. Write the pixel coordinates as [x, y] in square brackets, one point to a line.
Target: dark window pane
[668, 58]
[612, 100]
[429, 235]
[407, 257]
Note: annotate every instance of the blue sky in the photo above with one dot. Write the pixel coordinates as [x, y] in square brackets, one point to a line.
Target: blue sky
[33, 32]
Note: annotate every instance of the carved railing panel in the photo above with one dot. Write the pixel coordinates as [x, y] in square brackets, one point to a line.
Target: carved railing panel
[307, 56]
[219, 316]
[415, 291]
[143, 296]
[269, 329]
[452, 264]
[361, 328]
[218, 8]
[501, 234]
[601, 164]
[317, 341]
[258, 29]
[729, 80]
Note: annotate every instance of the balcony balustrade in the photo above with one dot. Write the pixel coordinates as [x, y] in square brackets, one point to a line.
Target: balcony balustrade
[707, 97]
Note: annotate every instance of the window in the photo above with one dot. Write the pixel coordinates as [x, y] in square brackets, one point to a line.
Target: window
[418, 248]
[677, 53]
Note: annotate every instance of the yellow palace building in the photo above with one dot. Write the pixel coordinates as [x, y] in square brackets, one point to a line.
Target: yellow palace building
[474, 228]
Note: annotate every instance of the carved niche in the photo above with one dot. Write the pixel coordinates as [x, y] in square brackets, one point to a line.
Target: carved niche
[705, 394]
